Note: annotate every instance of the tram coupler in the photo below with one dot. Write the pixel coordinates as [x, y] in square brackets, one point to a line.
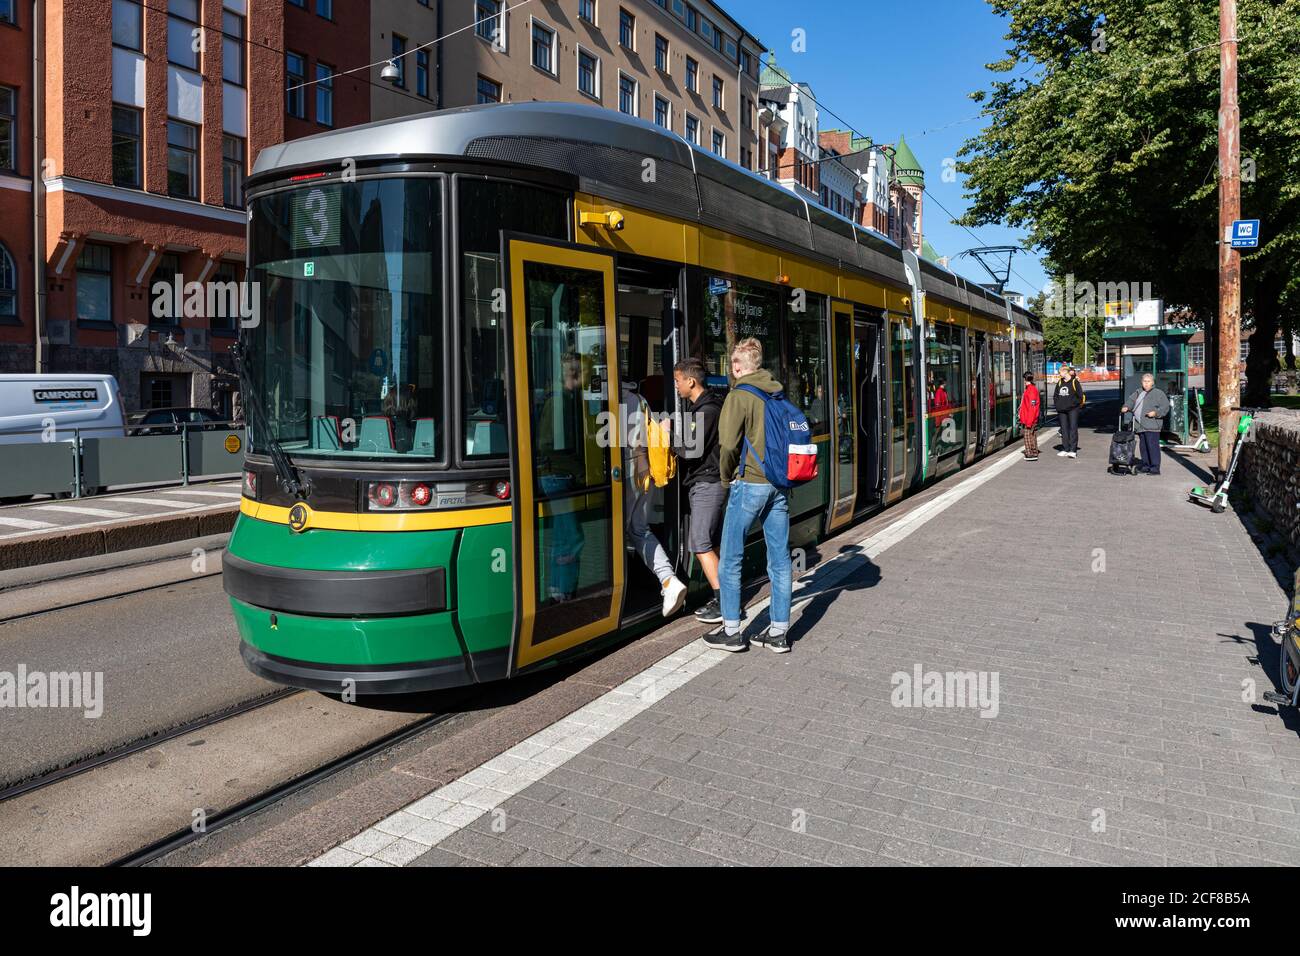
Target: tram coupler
[1280, 700]
[1281, 629]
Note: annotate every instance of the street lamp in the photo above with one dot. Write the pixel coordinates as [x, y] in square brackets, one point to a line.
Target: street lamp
[390, 72]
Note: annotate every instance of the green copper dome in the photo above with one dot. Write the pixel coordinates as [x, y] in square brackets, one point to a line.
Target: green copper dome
[908, 166]
[929, 252]
[772, 76]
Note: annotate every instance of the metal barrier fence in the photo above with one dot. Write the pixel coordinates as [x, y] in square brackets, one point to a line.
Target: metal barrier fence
[79, 466]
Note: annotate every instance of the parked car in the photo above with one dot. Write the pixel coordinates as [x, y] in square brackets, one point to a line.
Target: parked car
[168, 421]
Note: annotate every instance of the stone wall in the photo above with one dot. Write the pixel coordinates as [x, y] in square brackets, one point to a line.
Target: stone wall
[1270, 471]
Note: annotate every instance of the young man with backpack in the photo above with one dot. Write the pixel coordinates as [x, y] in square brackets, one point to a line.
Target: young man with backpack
[757, 421]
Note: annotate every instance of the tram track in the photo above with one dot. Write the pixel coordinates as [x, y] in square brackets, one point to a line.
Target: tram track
[247, 808]
[115, 754]
[100, 581]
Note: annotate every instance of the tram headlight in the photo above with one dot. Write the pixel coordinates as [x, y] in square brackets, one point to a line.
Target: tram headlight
[421, 494]
[249, 489]
[502, 490]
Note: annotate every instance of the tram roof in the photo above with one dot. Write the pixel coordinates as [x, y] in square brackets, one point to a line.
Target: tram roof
[606, 150]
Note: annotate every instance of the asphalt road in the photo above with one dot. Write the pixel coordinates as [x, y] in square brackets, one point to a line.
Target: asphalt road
[168, 655]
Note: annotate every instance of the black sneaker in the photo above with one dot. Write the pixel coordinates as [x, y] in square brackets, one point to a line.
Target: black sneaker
[710, 613]
[725, 642]
[777, 643]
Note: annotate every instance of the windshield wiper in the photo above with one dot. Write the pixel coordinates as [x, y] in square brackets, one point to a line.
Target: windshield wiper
[290, 481]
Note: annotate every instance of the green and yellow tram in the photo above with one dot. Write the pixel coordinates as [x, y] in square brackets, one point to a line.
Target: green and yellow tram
[449, 310]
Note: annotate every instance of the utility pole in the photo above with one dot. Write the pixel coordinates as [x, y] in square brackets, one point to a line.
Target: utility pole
[1229, 210]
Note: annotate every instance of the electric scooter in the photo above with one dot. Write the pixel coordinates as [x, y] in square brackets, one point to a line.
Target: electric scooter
[1288, 632]
[1202, 443]
[1217, 500]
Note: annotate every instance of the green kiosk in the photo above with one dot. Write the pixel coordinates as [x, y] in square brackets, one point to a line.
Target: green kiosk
[1145, 344]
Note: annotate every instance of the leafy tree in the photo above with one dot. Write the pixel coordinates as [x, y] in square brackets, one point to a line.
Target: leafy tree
[1102, 142]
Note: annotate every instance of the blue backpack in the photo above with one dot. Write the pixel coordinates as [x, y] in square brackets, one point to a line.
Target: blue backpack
[790, 458]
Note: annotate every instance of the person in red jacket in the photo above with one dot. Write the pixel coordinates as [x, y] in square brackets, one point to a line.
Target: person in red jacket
[1029, 411]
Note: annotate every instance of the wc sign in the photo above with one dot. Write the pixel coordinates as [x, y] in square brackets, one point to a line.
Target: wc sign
[1244, 234]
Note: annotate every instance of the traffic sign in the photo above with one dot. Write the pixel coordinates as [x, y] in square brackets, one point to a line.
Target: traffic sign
[1244, 234]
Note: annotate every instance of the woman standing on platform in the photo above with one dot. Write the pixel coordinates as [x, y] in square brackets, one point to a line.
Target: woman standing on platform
[1069, 402]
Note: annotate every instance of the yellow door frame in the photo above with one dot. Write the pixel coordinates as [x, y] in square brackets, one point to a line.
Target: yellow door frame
[526, 507]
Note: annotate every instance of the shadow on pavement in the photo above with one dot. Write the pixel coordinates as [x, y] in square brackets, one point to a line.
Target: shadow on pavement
[853, 572]
[1268, 653]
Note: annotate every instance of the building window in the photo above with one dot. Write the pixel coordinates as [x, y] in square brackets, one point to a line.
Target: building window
[182, 33]
[324, 94]
[745, 157]
[719, 144]
[299, 3]
[489, 21]
[95, 283]
[692, 75]
[127, 24]
[227, 279]
[168, 268]
[663, 113]
[693, 129]
[8, 284]
[717, 92]
[661, 53]
[126, 147]
[587, 11]
[422, 72]
[295, 74]
[232, 47]
[182, 159]
[232, 171]
[489, 91]
[692, 19]
[626, 29]
[627, 94]
[7, 11]
[1197, 356]
[8, 128]
[325, 8]
[544, 48]
[588, 73]
[745, 62]
[399, 59]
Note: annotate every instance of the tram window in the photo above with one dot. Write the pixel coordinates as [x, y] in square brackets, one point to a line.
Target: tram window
[945, 386]
[347, 357]
[735, 310]
[807, 379]
[486, 208]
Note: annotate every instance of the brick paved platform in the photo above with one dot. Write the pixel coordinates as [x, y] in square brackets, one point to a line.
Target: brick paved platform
[1117, 618]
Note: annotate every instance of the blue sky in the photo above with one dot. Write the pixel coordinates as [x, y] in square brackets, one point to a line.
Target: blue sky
[891, 68]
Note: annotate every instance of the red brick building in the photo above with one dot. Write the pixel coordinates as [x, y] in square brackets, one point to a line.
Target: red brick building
[148, 117]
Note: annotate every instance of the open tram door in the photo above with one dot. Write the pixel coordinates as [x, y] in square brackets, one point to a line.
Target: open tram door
[867, 351]
[565, 461]
[844, 418]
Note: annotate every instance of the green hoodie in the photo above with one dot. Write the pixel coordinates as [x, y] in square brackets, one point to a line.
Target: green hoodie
[742, 417]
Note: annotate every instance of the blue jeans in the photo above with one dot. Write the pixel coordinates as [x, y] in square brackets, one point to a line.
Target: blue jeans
[747, 503]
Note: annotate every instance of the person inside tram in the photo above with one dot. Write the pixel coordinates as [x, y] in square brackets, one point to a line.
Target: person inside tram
[941, 394]
[640, 482]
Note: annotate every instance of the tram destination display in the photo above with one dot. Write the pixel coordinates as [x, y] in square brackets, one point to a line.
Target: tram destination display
[315, 218]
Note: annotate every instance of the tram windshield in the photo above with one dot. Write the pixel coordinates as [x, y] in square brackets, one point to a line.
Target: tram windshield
[347, 352]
